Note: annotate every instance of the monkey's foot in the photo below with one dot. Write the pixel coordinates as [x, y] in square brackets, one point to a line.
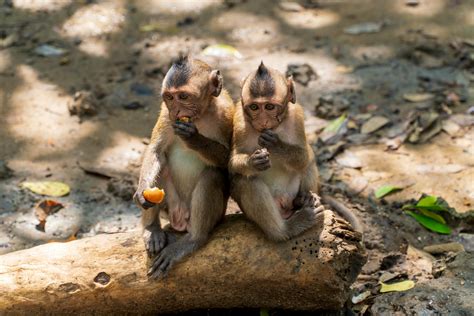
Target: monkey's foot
[318, 205]
[155, 240]
[169, 256]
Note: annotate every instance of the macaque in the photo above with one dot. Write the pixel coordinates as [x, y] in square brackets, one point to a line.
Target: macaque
[274, 174]
[187, 156]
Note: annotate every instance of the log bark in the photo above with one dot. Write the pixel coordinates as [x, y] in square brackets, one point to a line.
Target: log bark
[237, 268]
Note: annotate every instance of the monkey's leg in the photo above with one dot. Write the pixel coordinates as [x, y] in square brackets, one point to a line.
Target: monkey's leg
[208, 203]
[255, 200]
[153, 235]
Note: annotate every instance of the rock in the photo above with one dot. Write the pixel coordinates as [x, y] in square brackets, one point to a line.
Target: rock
[5, 171]
[134, 105]
[141, 89]
[83, 104]
[238, 268]
[302, 73]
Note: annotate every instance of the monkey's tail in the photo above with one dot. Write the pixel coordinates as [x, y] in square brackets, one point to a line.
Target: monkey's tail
[345, 212]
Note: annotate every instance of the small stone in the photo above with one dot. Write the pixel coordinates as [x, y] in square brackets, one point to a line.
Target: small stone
[302, 73]
[135, 105]
[5, 171]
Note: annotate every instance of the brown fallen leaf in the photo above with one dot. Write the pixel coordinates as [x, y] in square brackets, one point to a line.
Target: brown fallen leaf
[444, 248]
[43, 209]
[418, 97]
[374, 124]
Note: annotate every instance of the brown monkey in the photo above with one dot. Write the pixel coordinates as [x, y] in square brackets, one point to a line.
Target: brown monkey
[187, 156]
[274, 174]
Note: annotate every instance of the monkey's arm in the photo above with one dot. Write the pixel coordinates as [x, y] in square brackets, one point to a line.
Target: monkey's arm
[295, 156]
[154, 158]
[209, 149]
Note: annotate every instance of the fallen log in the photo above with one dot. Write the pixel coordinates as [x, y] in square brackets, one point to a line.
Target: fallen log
[237, 268]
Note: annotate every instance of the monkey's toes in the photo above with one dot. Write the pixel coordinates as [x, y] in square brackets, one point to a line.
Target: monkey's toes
[155, 241]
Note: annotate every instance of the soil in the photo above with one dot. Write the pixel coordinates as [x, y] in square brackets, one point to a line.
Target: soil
[84, 116]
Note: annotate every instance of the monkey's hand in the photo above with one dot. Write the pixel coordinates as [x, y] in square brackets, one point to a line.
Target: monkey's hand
[185, 130]
[260, 159]
[140, 199]
[269, 139]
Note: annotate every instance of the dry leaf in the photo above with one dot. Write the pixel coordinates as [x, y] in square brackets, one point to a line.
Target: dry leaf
[43, 209]
[374, 124]
[397, 287]
[50, 188]
[418, 97]
[356, 299]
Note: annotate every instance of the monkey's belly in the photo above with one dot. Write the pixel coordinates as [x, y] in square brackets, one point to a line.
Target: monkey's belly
[185, 168]
[284, 187]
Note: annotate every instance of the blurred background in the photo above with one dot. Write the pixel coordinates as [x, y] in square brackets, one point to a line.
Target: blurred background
[388, 89]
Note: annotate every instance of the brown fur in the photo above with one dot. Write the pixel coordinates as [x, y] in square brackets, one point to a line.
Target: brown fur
[189, 160]
[267, 196]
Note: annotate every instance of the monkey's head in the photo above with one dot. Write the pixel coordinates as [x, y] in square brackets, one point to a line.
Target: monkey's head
[265, 96]
[188, 88]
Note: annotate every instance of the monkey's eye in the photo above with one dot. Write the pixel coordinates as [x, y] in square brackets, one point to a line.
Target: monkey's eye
[168, 96]
[269, 106]
[183, 96]
[253, 107]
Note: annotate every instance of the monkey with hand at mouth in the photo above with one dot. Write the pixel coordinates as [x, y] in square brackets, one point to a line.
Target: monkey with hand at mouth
[275, 179]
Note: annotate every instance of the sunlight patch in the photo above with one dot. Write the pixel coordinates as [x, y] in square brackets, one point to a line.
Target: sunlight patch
[44, 5]
[95, 20]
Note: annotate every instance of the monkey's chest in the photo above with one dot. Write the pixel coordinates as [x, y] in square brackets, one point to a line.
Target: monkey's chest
[185, 166]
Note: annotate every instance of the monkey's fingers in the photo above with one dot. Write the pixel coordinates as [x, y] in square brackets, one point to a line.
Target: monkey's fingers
[261, 155]
[263, 166]
[141, 201]
[269, 136]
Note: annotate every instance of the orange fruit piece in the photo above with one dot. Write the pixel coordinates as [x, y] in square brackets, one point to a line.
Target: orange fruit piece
[184, 119]
[154, 195]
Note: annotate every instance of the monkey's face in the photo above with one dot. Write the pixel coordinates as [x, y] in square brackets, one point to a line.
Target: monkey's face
[265, 97]
[264, 113]
[188, 88]
[183, 103]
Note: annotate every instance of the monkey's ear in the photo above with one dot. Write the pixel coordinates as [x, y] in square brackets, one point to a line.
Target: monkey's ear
[291, 90]
[242, 81]
[216, 82]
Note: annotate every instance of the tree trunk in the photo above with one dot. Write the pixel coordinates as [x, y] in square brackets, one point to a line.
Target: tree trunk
[237, 268]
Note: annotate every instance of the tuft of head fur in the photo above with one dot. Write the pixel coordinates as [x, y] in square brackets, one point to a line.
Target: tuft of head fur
[262, 83]
[179, 73]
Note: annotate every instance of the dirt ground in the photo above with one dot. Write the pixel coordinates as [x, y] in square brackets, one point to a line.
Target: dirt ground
[92, 104]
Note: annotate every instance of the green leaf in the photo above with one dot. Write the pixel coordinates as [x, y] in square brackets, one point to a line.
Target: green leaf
[385, 190]
[428, 200]
[335, 124]
[434, 216]
[264, 312]
[430, 223]
[397, 287]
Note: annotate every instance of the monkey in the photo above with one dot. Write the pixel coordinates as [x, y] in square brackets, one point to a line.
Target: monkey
[274, 176]
[187, 156]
